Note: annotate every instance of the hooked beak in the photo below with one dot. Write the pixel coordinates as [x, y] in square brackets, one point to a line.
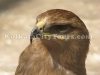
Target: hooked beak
[36, 32]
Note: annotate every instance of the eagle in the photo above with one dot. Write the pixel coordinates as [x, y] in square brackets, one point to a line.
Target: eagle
[58, 45]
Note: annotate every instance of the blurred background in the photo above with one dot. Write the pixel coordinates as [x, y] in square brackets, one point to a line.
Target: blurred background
[17, 18]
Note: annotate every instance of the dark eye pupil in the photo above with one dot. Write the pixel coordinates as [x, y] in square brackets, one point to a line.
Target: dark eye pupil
[61, 27]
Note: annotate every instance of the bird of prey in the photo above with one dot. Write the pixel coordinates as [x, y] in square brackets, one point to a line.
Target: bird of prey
[64, 53]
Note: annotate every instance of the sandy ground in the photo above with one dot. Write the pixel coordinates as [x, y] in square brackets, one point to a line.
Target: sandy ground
[17, 18]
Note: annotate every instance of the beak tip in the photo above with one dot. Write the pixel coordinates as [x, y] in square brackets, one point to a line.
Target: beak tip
[34, 33]
[31, 39]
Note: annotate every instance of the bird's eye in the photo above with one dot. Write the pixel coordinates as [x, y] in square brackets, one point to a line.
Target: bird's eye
[62, 28]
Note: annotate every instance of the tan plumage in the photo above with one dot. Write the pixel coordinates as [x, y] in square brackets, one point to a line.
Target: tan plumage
[56, 56]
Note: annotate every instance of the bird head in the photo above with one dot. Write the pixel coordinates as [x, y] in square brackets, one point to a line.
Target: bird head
[71, 43]
[60, 24]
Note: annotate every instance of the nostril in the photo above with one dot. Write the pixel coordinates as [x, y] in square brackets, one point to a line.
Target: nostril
[41, 28]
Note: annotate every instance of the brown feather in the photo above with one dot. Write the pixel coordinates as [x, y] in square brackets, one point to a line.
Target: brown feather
[55, 56]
